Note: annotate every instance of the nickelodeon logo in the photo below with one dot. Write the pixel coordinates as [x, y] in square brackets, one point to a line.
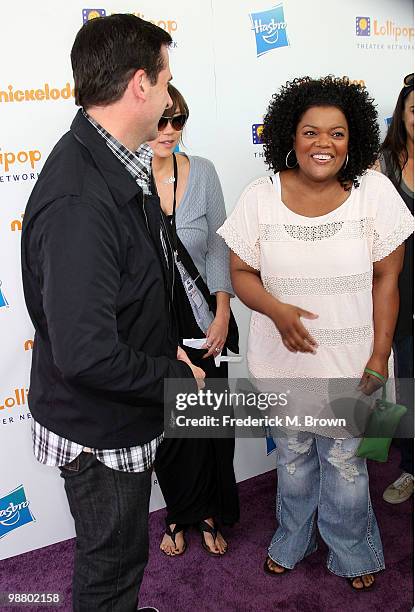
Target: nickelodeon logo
[9, 158]
[37, 95]
[16, 225]
[18, 398]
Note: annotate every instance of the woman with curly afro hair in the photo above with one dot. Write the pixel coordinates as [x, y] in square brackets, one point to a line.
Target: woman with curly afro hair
[316, 253]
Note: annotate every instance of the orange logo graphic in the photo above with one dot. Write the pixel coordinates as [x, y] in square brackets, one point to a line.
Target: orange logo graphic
[166, 24]
[28, 345]
[36, 95]
[19, 398]
[8, 158]
[389, 28]
[16, 225]
[360, 82]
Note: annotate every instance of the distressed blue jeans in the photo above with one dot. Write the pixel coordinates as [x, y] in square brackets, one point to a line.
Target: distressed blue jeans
[322, 483]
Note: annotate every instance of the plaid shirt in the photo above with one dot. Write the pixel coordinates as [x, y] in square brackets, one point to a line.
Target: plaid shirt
[51, 449]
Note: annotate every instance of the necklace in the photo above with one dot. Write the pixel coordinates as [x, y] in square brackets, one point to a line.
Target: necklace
[169, 180]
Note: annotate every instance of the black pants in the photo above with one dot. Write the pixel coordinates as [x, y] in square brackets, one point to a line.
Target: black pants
[110, 510]
[196, 476]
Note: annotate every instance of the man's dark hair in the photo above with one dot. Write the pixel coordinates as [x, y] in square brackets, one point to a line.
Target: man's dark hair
[107, 52]
[394, 147]
[296, 97]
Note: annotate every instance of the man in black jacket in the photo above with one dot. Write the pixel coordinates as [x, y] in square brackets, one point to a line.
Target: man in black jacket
[98, 275]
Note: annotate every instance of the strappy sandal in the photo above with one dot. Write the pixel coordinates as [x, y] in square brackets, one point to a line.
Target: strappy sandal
[172, 533]
[364, 588]
[268, 570]
[204, 527]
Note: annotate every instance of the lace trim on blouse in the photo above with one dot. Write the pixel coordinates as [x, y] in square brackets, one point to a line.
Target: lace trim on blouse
[327, 337]
[382, 247]
[239, 246]
[354, 283]
[343, 230]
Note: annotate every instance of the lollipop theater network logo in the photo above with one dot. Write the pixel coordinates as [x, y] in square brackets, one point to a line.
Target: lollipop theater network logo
[92, 13]
[257, 129]
[270, 29]
[388, 29]
[362, 26]
[18, 166]
[14, 511]
[170, 25]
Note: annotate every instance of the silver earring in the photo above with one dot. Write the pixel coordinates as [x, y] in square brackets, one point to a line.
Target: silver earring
[346, 162]
[286, 159]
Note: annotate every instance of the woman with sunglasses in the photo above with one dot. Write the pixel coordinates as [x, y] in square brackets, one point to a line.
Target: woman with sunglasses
[196, 476]
[396, 160]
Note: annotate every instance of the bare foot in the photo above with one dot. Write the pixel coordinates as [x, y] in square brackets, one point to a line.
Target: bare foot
[362, 582]
[169, 547]
[218, 546]
[274, 567]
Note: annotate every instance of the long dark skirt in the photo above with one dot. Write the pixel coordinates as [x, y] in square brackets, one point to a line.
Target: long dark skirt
[196, 476]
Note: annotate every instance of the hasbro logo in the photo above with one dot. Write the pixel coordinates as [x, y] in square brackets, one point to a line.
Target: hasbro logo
[270, 29]
[257, 130]
[88, 14]
[3, 301]
[14, 511]
[362, 26]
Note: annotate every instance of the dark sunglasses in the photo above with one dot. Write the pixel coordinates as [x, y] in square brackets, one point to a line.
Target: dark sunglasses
[177, 122]
[409, 80]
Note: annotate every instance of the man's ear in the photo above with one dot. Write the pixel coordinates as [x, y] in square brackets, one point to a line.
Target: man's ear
[139, 83]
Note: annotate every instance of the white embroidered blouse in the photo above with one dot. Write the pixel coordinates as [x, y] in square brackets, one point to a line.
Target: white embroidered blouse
[322, 264]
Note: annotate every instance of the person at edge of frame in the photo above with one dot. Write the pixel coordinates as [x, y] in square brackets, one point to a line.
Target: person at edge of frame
[396, 161]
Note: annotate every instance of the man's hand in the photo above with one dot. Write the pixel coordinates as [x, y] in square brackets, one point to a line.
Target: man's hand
[198, 373]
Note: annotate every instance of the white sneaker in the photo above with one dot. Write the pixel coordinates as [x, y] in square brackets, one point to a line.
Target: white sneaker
[148, 609]
[400, 490]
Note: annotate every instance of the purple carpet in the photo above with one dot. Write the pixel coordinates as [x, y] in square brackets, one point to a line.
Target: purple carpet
[236, 582]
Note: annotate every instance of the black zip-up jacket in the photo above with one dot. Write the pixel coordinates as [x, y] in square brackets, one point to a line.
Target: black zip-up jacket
[99, 295]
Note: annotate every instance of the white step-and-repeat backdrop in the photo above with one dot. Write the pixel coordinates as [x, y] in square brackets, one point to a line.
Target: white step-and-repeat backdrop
[227, 58]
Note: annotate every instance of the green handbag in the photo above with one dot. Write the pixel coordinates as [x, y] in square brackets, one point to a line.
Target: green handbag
[381, 426]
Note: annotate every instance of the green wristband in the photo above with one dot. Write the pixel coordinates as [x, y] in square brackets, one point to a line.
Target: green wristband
[382, 378]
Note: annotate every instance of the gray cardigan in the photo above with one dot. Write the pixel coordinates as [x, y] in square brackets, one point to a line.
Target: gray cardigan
[200, 213]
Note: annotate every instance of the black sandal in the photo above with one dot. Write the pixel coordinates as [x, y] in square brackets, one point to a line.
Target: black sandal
[172, 533]
[204, 527]
[364, 588]
[268, 570]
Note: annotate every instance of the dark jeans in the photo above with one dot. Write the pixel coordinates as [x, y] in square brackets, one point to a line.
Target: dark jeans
[404, 365]
[110, 509]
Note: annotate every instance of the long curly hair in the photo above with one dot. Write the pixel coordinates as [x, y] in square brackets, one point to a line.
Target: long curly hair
[289, 104]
